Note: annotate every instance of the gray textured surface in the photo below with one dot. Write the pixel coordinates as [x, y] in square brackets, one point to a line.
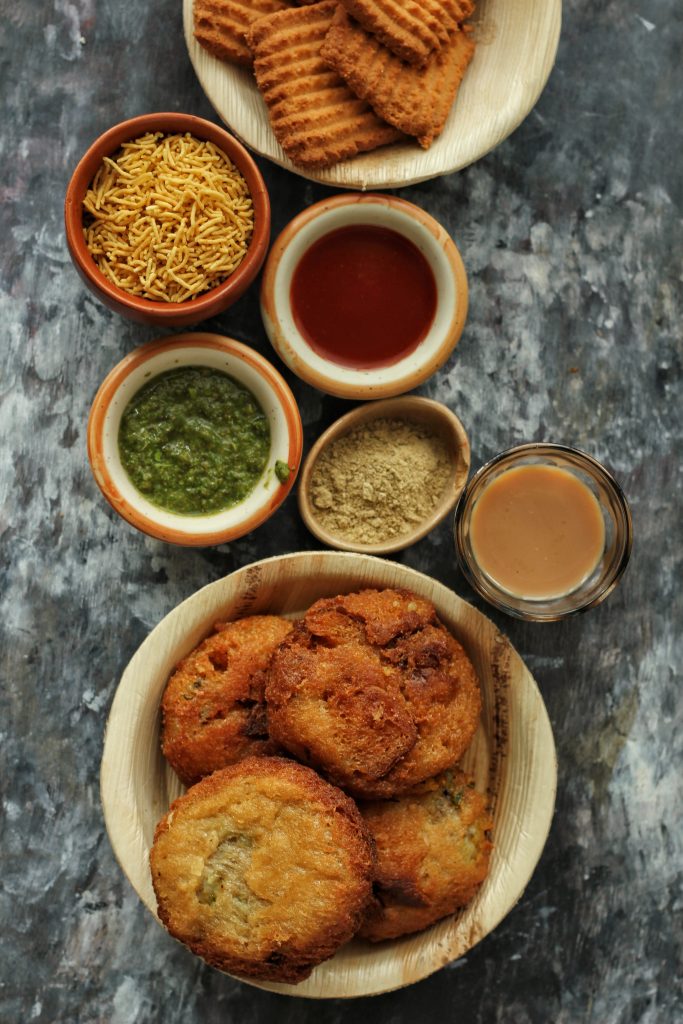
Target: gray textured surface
[571, 232]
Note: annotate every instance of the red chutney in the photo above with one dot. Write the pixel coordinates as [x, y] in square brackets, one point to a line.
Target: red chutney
[363, 296]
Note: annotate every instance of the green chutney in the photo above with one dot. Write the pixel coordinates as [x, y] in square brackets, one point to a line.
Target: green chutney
[194, 441]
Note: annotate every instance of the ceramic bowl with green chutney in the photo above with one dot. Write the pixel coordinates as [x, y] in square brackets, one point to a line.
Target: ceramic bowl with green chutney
[195, 439]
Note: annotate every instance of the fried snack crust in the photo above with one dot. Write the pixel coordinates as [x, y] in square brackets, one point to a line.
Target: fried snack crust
[411, 29]
[314, 115]
[371, 689]
[220, 26]
[415, 100]
[433, 853]
[213, 706]
[263, 869]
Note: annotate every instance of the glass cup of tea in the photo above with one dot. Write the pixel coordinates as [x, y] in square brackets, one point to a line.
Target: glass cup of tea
[543, 531]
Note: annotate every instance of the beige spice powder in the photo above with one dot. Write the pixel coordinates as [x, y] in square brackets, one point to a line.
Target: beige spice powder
[380, 480]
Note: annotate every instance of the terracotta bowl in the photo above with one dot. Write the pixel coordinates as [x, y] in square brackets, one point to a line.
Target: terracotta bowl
[434, 415]
[146, 311]
[248, 368]
[436, 246]
[512, 757]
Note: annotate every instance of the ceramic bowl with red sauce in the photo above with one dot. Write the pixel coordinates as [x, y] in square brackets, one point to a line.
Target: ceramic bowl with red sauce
[136, 307]
[364, 296]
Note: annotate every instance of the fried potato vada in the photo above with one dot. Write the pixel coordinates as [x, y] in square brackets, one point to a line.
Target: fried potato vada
[263, 869]
[371, 689]
[213, 709]
[433, 852]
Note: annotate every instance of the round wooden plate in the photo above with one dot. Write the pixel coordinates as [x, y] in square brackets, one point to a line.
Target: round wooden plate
[512, 756]
[516, 46]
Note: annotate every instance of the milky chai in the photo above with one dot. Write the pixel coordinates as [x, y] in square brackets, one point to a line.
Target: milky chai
[537, 531]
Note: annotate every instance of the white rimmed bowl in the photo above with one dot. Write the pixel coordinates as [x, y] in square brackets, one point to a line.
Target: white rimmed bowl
[512, 756]
[433, 242]
[248, 368]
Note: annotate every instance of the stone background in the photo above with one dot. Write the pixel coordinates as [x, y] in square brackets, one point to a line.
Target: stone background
[571, 232]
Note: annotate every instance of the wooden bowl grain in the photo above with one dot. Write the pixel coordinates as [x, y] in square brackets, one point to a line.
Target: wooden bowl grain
[437, 417]
[512, 756]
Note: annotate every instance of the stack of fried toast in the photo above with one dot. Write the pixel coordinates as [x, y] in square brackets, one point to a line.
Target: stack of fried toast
[341, 78]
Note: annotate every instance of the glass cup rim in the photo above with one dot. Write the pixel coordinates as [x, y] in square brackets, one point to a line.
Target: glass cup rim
[520, 607]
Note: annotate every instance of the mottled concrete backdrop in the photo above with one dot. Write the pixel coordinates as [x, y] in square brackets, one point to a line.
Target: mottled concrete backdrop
[571, 233]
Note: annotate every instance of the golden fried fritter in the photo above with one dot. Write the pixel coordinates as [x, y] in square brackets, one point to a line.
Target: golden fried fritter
[263, 869]
[433, 852]
[213, 709]
[371, 689]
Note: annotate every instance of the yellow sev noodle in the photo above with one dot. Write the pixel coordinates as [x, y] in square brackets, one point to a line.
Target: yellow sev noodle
[168, 217]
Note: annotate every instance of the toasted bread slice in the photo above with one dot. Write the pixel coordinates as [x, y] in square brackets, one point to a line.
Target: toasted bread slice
[220, 26]
[316, 118]
[411, 29]
[415, 100]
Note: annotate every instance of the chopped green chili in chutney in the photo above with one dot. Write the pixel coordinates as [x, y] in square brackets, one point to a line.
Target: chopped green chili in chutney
[194, 441]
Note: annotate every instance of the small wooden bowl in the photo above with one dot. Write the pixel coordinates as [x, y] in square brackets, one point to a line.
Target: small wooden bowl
[512, 757]
[418, 410]
[147, 311]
